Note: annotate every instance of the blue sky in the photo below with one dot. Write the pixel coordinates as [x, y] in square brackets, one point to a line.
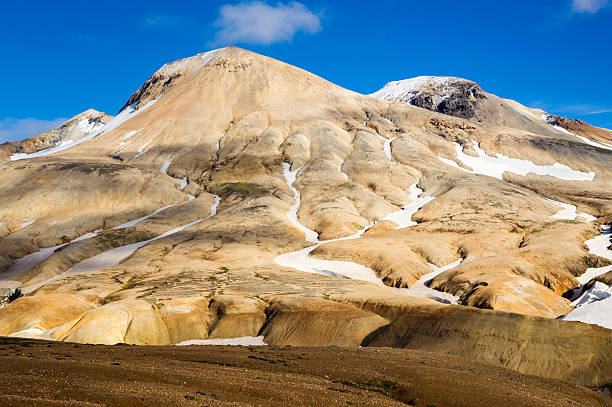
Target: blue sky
[61, 58]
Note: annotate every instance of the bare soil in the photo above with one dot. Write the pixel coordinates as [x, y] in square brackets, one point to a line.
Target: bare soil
[40, 373]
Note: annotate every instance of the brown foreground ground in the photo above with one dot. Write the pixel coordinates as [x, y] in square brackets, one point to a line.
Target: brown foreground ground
[51, 373]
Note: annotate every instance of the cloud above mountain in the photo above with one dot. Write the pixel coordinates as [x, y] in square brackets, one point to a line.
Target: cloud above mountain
[256, 22]
[12, 129]
[589, 6]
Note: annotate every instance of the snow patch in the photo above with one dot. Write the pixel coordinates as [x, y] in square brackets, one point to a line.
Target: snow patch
[36, 333]
[26, 223]
[137, 221]
[387, 149]
[594, 306]
[406, 89]
[452, 163]
[182, 181]
[496, 166]
[301, 259]
[30, 333]
[125, 115]
[388, 121]
[598, 246]
[34, 259]
[290, 177]
[87, 126]
[592, 142]
[421, 287]
[113, 257]
[553, 122]
[569, 212]
[386, 145]
[142, 150]
[164, 168]
[403, 218]
[240, 341]
[344, 174]
[130, 134]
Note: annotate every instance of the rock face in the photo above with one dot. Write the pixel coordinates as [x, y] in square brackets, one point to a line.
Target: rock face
[453, 96]
[81, 125]
[9, 294]
[235, 195]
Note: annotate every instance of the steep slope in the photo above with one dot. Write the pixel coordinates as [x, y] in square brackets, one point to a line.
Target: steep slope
[595, 136]
[202, 200]
[81, 125]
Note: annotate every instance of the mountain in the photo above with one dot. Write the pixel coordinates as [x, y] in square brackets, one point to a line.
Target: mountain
[80, 126]
[237, 196]
[463, 98]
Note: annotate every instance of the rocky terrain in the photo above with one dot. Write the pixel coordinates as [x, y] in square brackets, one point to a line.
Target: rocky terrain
[237, 196]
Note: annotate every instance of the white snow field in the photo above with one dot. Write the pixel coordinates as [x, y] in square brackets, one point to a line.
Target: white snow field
[594, 306]
[240, 341]
[569, 212]
[300, 260]
[496, 166]
[420, 288]
[403, 218]
[118, 120]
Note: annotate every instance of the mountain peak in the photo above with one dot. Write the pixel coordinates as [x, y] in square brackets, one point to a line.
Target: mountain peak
[442, 87]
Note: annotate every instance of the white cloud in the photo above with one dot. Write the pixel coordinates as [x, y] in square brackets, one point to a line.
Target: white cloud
[12, 129]
[256, 22]
[589, 6]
